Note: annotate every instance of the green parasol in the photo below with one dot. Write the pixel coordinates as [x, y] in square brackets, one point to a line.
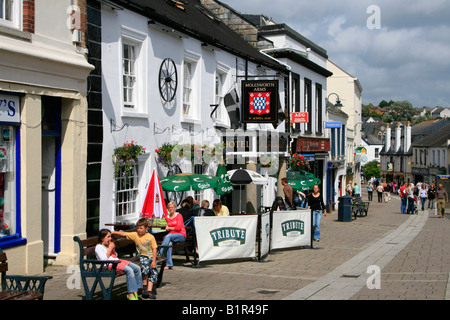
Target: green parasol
[188, 181]
[301, 180]
[224, 186]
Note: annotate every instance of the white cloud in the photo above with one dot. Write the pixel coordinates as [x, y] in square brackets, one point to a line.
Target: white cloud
[407, 59]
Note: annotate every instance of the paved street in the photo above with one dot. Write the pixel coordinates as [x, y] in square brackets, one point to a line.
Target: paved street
[409, 251]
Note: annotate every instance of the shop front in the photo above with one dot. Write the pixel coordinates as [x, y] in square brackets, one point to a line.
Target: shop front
[10, 229]
[316, 150]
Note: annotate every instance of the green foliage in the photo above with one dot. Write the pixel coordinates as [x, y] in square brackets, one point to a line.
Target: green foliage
[126, 156]
[298, 162]
[371, 170]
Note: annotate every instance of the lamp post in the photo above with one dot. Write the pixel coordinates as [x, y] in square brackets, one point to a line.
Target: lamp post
[338, 101]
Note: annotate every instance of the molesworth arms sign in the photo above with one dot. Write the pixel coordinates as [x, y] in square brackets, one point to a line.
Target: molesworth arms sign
[260, 101]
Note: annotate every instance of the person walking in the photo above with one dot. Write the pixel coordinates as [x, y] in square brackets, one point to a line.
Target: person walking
[349, 189]
[386, 192]
[431, 196]
[315, 203]
[380, 193]
[410, 195]
[357, 192]
[441, 197]
[403, 198]
[288, 194]
[423, 195]
[369, 191]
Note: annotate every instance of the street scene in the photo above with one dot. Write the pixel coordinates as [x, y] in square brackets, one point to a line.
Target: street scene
[408, 250]
[173, 150]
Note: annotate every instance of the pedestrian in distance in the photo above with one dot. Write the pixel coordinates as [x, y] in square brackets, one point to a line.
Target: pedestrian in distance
[441, 198]
[423, 196]
[147, 249]
[386, 193]
[317, 206]
[431, 196]
[105, 250]
[380, 193]
[349, 189]
[357, 192]
[403, 198]
[410, 195]
[370, 191]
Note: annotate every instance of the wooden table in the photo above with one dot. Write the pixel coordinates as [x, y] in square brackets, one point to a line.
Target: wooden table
[20, 295]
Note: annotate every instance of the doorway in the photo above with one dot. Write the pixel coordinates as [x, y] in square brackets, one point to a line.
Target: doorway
[51, 175]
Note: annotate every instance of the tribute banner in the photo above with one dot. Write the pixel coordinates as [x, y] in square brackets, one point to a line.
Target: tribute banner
[226, 237]
[291, 228]
[265, 234]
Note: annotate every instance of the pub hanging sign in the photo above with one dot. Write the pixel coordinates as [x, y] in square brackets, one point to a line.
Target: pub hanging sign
[260, 101]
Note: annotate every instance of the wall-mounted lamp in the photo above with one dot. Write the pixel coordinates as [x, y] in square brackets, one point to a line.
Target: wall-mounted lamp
[338, 101]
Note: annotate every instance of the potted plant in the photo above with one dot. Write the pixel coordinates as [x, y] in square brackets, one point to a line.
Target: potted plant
[298, 162]
[126, 156]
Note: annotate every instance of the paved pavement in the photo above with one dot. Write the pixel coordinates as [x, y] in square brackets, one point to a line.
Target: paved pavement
[409, 253]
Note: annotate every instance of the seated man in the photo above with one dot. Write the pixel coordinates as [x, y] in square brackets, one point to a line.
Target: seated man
[219, 209]
[204, 210]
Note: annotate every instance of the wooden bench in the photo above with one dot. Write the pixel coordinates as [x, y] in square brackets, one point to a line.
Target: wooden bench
[189, 246]
[90, 267]
[18, 287]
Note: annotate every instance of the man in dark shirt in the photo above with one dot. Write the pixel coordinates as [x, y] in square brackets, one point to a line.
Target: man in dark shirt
[288, 194]
[204, 210]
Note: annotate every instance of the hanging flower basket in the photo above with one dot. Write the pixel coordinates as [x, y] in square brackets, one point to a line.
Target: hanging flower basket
[165, 154]
[298, 162]
[202, 153]
[125, 157]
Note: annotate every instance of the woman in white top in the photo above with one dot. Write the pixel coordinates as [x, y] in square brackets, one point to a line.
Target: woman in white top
[423, 195]
[105, 250]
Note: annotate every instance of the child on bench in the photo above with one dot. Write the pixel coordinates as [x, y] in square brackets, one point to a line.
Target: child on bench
[146, 247]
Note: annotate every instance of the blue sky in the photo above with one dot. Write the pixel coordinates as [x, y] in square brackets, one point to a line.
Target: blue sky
[407, 58]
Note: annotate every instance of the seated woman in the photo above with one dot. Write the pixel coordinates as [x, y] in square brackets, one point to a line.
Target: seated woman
[105, 250]
[185, 211]
[177, 231]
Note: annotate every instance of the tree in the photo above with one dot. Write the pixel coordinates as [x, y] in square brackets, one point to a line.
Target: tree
[404, 110]
[371, 170]
[384, 103]
[387, 117]
[365, 111]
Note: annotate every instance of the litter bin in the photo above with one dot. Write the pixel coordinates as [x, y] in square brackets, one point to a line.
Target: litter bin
[345, 209]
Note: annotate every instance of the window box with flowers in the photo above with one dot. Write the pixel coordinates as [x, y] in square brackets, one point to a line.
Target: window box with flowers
[125, 157]
[297, 162]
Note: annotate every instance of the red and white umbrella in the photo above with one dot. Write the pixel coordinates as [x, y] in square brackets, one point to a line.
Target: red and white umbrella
[154, 205]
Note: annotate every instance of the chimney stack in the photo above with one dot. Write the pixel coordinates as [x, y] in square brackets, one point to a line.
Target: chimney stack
[387, 144]
[398, 135]
[407, 138]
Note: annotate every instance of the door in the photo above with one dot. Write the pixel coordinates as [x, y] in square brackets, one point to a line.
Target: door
[48, 193]
[51, 175]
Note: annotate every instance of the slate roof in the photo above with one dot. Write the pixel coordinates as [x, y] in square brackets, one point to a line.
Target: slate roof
[436, 139]
[196, 21]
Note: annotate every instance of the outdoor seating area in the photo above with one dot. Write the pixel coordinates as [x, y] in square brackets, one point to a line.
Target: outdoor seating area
[215, 234]
[103, 273]
[19, 287]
